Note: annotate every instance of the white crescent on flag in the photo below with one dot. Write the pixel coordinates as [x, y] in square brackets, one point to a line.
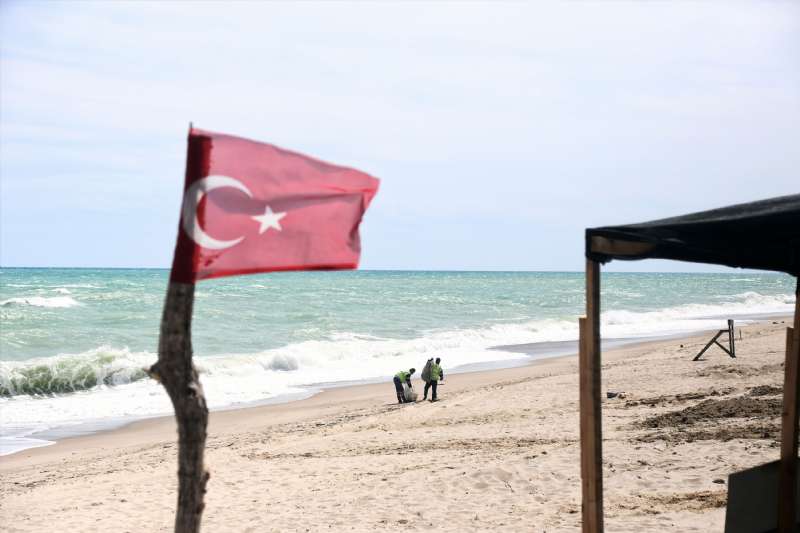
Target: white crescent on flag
[193, 197]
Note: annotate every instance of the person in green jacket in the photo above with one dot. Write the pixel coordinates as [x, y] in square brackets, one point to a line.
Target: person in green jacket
[400, 378]
[437, 374]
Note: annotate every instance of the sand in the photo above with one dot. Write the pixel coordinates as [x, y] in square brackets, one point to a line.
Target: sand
[499, 452]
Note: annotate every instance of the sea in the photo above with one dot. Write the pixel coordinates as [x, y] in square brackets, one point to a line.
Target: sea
[75, 343]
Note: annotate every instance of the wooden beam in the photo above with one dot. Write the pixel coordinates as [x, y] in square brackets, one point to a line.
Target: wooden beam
[615, 247]
[590, 414]
[730, 351]
[787, 493]
[585, 400]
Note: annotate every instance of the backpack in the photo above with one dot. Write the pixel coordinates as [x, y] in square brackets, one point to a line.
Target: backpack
[426, 372]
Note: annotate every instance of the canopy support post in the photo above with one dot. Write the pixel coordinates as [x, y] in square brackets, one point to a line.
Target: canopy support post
[590, 414]
[787, 493]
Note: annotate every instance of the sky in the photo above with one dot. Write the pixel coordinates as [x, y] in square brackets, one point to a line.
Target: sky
[499, 131]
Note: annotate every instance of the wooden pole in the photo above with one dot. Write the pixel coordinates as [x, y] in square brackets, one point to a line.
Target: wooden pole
[591, 416]
[175, 370]
[787, 493]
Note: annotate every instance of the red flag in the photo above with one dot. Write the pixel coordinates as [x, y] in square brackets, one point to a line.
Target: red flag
[252, 207]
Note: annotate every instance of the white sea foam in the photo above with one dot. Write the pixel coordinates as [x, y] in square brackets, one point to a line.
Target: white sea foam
[17, 438]
[41, 301]
[62, 290]
[12, 443]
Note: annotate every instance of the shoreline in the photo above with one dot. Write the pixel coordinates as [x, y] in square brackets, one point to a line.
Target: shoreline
[224, 417]
[530, 354]
[325, 392]
[500, 449]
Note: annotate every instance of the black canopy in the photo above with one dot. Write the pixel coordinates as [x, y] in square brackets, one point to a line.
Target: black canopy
[763, 235]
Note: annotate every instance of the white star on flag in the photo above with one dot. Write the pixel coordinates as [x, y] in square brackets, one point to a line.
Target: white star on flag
[269, 220]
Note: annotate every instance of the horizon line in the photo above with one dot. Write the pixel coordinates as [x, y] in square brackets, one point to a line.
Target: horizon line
[499, 271]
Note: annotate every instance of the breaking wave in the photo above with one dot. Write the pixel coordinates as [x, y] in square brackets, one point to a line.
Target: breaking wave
[346, 356]
[72, 373]
[41, 301]
[688, 317]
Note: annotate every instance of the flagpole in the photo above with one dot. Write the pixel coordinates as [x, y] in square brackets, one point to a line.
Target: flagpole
[175, 370]
[178, 374]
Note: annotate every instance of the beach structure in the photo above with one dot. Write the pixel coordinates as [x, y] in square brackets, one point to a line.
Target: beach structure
[730, 350]
[759, 235]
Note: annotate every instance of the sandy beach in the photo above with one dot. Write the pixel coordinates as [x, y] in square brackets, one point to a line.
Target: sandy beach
[499, 452]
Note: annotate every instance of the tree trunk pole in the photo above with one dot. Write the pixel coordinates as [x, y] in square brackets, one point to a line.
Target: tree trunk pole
[177, 373]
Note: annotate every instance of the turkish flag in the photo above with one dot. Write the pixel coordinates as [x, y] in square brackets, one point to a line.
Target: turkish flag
[252, 207]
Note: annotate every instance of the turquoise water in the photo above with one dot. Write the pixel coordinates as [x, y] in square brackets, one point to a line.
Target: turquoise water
[73, 342]
[75, 310]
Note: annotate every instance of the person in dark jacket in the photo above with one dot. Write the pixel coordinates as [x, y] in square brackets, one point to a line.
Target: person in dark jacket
[426, 377]
[400, 378]
[437, 374]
